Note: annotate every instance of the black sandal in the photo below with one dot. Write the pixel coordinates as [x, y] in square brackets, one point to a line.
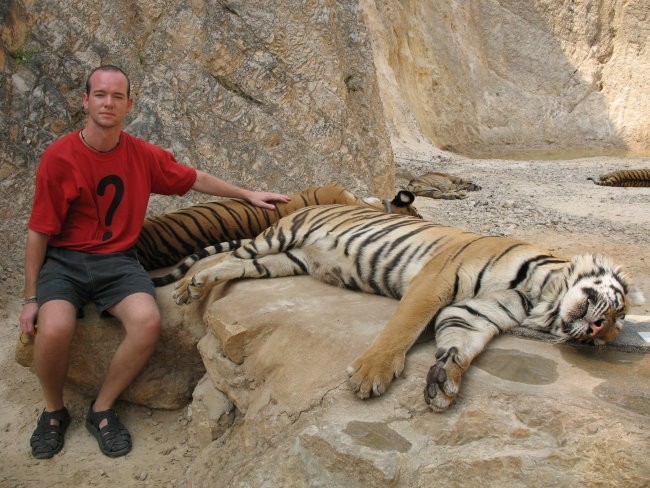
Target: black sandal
[114, 440]
[48, 438]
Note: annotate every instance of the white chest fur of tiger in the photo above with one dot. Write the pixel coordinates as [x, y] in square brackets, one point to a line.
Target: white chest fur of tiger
[470, 287]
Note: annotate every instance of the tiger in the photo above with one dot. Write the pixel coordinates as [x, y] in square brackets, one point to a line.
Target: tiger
[168, 238]
[465, 288]
[441, 185]
[624, 177]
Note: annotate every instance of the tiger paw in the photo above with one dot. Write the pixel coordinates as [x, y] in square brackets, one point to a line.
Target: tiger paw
[373, 371]
[443, 380]
[187, 291]
[181, 293]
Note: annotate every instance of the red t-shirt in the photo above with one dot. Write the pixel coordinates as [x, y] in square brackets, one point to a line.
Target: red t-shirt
[96, 202]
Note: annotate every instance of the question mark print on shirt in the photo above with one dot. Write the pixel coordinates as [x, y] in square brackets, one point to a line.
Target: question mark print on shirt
[104, 183]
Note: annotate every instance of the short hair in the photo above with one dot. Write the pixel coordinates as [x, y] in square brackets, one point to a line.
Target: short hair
[109, 67]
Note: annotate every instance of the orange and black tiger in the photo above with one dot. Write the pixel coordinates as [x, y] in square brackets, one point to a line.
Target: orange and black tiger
[441, 185]
[624, 177]
[469, 287]
[168, 238]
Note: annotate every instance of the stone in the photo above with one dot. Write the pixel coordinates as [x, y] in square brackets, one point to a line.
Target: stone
[298, 423]
[211, 413]
[256, 92]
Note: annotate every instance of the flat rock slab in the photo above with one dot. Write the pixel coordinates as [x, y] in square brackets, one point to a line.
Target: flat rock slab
[530, 413]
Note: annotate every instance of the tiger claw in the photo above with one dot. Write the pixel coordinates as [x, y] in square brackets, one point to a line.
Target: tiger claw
[195, 288]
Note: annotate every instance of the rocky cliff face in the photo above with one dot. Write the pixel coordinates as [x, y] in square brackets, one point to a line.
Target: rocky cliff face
[501, 76]
[280, 95]
[270, 95]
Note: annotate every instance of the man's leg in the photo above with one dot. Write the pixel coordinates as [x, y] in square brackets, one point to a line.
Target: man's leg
[140, 317]
[56, 323]
[55, 327]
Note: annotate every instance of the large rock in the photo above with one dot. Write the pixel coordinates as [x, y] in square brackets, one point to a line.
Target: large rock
[274, 408]
[529, 414]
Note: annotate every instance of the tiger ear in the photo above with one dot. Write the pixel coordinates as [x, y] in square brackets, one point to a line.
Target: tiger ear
[404, 198]
[635, 296]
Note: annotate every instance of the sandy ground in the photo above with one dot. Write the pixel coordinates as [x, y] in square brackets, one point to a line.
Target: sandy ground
[548, 202]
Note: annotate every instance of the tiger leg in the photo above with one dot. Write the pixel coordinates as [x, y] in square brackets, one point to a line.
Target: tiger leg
[194, 287]
[436, 193]
[453, 195]
[372, 372]
[462, 332]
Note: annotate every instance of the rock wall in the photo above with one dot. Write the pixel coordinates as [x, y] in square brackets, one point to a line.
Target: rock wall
[504, 77]
[281, 95]
[270, 95]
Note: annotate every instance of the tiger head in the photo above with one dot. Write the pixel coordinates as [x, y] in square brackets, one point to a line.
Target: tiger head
[588, 303]
[401, 204]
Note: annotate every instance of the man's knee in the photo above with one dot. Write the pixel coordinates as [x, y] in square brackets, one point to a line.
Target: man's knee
[151, 325]
[140, 316]
[56, 322]
[144, 327]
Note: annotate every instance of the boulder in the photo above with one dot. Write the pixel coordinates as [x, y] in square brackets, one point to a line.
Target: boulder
[529, 414]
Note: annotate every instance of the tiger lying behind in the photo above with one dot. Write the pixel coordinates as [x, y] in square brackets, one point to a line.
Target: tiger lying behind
[441, 185]
[470, 287]
[624, 177]
[168, 238]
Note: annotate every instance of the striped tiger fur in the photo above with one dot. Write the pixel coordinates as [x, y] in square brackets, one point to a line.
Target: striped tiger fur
[470, 287]
[441, 185]
[168, 238]
[625, 177]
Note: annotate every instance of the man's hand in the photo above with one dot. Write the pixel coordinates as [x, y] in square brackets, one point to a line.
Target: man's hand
[27, 318]
[264, 199]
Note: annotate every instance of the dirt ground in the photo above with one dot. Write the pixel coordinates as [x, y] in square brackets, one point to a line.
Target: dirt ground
[549, 202]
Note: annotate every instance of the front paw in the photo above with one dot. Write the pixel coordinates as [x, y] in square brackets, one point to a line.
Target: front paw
[372, 372]
[187, 290]
[443, 380]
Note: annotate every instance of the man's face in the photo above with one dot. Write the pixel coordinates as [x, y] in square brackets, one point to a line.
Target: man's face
[107, 102]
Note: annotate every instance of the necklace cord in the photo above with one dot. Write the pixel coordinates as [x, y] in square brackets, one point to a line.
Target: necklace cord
[81, 133]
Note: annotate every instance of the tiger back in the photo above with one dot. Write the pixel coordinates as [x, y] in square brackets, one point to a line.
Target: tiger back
[168, 238]
[624, 177]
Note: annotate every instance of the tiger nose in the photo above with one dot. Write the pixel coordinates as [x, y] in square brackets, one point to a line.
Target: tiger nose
[596, 328]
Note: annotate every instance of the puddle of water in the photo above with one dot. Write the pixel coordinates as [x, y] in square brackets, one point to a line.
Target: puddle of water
[607, 363]
[627, 375]
[376, 435]
[514, 365]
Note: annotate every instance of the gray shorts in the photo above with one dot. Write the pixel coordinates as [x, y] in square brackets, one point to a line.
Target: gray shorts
[80, 278]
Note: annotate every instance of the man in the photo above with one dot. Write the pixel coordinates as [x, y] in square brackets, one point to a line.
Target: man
[90, 200]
